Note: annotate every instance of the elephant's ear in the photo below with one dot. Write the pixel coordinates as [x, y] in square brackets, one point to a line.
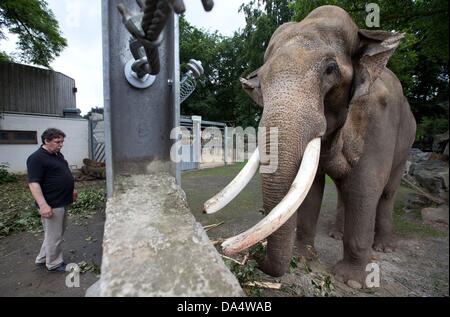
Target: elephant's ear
[252, 87]
[375, 49]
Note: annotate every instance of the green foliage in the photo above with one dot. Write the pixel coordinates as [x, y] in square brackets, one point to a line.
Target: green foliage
[247, 272]
[4, 57]
[5, 176]
[244, 273]
[323, 285]
[18, 211]
[429, 126]
[90, 199]
[89, 267]
[39, 38]
[27, 220]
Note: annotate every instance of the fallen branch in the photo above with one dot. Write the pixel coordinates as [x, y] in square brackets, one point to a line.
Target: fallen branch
[231, 259]
[422, 192]
[244, 261]
[264, 285]
[209, 227]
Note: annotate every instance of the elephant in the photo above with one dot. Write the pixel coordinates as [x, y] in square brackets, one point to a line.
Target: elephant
[340, 112]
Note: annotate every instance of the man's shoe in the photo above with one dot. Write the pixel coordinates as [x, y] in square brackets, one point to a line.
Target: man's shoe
[40, 264]
[59, 268]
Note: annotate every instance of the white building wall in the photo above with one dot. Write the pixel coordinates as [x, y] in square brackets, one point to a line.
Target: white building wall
[76, 143]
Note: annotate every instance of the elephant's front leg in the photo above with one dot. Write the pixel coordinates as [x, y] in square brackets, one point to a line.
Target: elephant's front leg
[307, 216]
[360, 201]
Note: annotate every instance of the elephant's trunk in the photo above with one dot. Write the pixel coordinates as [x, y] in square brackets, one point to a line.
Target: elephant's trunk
[293, 139]
[285, 189]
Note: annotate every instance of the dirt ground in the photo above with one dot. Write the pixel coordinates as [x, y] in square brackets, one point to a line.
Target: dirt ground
[419, 267]
[20, 277]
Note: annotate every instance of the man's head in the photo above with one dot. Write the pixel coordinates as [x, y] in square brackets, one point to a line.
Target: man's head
[53, 140]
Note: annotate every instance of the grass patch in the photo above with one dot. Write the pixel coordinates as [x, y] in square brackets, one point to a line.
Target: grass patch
[409, 224]
[405, 227]
[18, 212]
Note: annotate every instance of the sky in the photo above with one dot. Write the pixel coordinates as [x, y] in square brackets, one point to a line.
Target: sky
[80, 23]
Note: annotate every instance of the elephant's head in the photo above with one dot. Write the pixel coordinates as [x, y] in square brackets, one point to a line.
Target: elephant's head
[313, 72]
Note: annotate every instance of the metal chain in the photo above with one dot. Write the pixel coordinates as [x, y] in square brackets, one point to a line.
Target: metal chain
[155, 14]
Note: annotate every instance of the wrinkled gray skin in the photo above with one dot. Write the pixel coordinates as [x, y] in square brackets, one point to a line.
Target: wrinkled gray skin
[324, 77]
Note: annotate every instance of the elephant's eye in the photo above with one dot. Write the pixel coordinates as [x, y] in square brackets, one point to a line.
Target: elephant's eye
[331, 68]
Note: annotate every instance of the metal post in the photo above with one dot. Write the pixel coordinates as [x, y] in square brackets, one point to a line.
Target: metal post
[138, 121]
[225, 145]
[197, 139]
[91, 138]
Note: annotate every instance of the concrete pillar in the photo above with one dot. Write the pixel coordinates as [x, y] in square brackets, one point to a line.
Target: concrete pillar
[138, 122]
[152, 245]
[197, 139]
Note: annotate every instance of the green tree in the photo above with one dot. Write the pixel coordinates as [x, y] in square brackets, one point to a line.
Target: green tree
[262, 17]
[203, 46]
[39, 37]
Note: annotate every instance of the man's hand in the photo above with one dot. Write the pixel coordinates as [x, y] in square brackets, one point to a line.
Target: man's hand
[45, 211]
[74, 195]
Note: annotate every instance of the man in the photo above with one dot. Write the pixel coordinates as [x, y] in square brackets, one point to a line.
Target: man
[52, 186]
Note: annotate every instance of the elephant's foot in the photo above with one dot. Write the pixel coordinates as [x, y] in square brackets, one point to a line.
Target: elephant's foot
[336, 232]
[307, 251]
[384, 243]
[353, 275]
[271, 268]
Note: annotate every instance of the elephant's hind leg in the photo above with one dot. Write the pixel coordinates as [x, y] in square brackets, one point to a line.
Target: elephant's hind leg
[337, 229]
[385, 240]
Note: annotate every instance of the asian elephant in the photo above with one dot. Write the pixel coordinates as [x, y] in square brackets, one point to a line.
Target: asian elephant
[339, 111]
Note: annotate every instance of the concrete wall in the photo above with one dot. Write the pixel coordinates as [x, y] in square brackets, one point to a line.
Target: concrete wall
[76, 144]
[153, 246]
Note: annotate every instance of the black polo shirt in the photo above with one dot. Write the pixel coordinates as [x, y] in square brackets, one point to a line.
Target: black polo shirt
[52, 172]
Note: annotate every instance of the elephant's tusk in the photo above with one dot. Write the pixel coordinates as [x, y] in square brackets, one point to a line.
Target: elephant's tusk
[235, 187]
[285, 209]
